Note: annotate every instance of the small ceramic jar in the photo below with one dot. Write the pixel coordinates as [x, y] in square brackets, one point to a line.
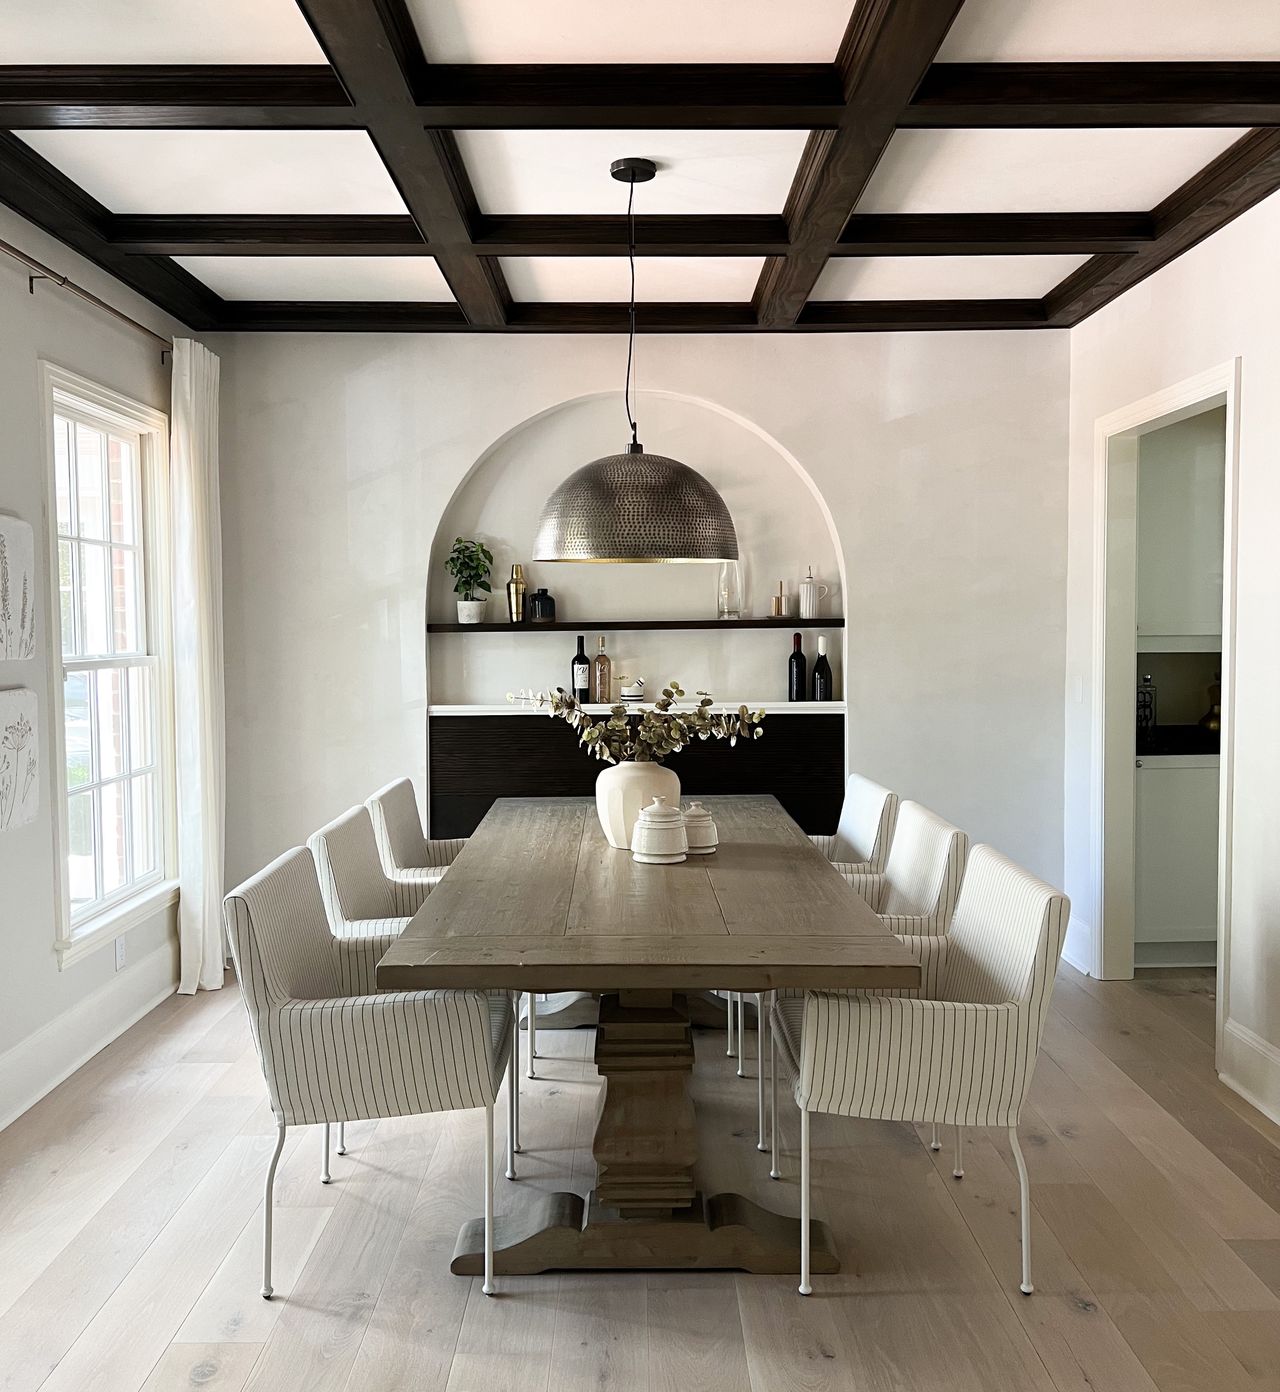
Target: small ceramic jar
[700, 830]
[659, 837]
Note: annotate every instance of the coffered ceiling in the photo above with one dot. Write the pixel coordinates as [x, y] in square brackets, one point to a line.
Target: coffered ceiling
[443, 164]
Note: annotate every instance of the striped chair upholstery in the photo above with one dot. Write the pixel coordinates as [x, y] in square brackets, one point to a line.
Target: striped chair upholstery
[865, 832]
[405, 852]
[331, 1056]
[916, 893]
[365, 909]
[960, 1051]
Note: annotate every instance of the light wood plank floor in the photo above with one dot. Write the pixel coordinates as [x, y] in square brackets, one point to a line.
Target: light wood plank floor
[130, 1210]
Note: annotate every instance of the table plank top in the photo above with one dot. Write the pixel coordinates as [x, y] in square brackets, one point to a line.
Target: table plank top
[538, 901]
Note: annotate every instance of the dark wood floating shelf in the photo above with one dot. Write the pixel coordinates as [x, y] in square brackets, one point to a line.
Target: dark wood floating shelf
[627, 625]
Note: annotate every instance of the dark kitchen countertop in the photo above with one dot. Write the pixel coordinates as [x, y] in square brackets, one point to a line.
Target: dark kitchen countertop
[1178, 739]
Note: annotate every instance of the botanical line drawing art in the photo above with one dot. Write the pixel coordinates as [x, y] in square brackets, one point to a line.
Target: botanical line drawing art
[17, 590]
[19, 758]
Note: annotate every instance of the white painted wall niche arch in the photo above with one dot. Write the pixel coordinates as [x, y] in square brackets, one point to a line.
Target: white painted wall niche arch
[784, 526]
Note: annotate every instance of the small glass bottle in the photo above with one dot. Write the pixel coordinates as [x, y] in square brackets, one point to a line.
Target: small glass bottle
[580, 677]
[797, 686]
[822, 687]
[602, 677]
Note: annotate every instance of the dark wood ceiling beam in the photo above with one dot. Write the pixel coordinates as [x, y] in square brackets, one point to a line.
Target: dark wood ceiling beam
[288, 235]
[607, 236]
[993, 234]
[1240, 177]
[619, 96]
[1096, 94]
[374, 51]
[887, 316]
[173, 97]
[886, 51]
[32, 187]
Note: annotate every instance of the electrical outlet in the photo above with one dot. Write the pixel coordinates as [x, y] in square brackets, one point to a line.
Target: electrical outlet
[121, 955]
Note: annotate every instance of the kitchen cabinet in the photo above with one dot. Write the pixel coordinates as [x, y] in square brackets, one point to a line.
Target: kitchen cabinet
[1176, 848]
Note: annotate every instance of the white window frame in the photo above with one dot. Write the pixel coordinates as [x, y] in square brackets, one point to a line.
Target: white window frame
[67, 393]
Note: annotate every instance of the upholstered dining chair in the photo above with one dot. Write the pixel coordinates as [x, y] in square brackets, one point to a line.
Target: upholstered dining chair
[959, 1050]
[409, 856]
[864, 834]
[915, 894]
[330, 1054]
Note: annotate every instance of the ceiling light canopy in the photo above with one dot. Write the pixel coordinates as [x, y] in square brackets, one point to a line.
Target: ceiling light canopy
[636, 506]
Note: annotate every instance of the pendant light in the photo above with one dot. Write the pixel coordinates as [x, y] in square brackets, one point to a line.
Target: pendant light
[636, 506]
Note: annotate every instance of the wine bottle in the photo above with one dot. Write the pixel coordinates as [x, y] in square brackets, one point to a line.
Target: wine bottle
[822, 673]
[580, 680]
[602, 677]
[797, 686]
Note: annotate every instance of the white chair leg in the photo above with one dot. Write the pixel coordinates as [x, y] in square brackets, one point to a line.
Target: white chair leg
[762, 1027]
[806, 1286]
[741, 1022]
[774, 1171]
[266, 1211]
[342, 1138]
[728, 1026]
[513, 1104]
[1024, 1186]
[958, 1169]
[488, 1286]
[934, 1142]
[533, 1032]
[324, 1163]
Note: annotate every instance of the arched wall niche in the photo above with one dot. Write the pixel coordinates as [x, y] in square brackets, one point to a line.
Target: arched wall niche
[784, 527]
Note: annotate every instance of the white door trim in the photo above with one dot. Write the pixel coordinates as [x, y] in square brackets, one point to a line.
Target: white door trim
[1111, 770]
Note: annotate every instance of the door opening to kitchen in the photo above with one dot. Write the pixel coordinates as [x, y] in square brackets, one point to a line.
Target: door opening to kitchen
[1164, 607]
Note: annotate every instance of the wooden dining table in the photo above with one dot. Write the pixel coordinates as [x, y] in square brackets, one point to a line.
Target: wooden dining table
[539, 901]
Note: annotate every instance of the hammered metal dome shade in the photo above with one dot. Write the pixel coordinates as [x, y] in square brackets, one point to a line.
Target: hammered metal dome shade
[635, 507]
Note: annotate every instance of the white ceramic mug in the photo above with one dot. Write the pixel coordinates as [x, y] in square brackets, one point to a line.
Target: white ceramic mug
[811, 595]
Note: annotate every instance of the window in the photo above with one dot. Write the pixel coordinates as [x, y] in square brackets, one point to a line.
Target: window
[106, 532]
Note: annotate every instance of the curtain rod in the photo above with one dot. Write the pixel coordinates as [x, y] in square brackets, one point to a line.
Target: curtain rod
[39, 271]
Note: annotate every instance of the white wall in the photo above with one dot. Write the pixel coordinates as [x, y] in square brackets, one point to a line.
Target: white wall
[1218, 302]
[50, 1019]
[940, 457]
[781, 529]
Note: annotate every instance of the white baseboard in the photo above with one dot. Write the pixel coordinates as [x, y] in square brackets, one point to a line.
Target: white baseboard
[1250, 1065]
[37, 1064]
[1077, 948]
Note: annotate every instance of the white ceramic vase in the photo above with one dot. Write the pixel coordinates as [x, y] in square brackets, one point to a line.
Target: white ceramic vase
[623, 789]
[471, 611]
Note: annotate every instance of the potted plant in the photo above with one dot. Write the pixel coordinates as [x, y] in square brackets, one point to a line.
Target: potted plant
[635, 746]
[470, 563]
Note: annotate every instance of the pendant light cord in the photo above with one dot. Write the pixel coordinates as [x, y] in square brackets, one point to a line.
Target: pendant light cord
[631, 310]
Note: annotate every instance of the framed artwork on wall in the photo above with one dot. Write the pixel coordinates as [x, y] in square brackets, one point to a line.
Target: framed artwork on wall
[17, 590]
[19, 758]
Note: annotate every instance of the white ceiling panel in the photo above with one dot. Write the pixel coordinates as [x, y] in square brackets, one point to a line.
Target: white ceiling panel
[624, 31]
[1049, 31]
[1037, 171]
[658, 278]
[155, 31]
[567, 171]
[942, 277]
[225, 171]
[320, 277]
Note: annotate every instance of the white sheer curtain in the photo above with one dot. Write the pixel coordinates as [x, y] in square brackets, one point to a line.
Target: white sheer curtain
[199, 724]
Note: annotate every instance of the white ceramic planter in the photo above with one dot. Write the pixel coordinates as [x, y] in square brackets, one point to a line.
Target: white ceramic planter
[471, 611]
[623, 789]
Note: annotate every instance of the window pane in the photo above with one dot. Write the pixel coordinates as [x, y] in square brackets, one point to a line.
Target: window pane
[121, 463]
[115, 837]
[80, 869]
[62, 473]
[124, 600]
[66, 595]
[111, 722]
[141, 730]
[89, 480]
[145, 858]
[76, 696]
[94, 601]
